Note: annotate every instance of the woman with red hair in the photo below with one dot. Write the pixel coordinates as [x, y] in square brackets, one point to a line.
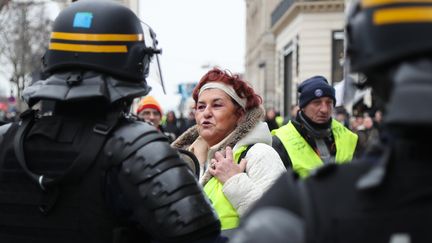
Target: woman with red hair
[229, 126]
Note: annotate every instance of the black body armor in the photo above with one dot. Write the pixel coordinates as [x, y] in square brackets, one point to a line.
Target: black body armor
[137, 188]
[385, 197]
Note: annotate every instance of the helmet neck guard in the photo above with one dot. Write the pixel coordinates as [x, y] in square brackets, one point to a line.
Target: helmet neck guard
[83, 85]
[411, 99]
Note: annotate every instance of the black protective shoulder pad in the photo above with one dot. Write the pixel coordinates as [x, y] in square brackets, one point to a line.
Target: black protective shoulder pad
[165, 196]
[127, 139]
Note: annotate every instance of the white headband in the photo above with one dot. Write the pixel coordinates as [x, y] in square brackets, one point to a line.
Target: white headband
[229, 90]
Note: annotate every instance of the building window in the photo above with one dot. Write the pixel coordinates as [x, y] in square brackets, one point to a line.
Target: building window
[337, 56]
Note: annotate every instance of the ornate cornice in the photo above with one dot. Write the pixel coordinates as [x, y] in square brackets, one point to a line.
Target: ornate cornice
[324, 6]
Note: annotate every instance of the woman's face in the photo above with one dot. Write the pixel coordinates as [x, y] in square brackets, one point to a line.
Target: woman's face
[170, 116]
[216, 115]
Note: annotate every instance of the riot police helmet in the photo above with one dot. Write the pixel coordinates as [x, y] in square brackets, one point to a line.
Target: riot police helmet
[96, 40]
[390, 43]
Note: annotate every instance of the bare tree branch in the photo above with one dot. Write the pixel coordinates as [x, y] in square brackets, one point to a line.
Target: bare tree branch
[24, 37]
[3, 3]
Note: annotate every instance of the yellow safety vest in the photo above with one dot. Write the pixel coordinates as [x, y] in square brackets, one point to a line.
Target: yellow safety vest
[227, 214]
[279, 120]
[303, 158]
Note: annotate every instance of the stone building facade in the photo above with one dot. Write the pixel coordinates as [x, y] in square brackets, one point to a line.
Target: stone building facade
[260, 48]
[294, 40]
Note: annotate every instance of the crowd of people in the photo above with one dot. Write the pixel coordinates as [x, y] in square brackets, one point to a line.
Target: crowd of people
[86, 170]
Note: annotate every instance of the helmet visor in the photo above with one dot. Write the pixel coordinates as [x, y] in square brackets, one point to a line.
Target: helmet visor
[152, 64]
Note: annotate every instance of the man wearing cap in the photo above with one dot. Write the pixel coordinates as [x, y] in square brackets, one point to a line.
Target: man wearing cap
[313, 138]
[149, 110]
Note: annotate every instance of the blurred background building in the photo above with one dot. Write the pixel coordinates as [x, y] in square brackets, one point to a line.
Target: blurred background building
[288, 41]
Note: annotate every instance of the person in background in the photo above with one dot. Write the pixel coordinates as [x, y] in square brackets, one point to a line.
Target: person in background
[291, 116]
[171, 124]
[85, 171]
[149, 110]
[232, 144]
[377, 119]
[188, 121]
[314, 138]
[279, 119]
[342, 116]
[270, 119]
[368, 136]
[356, 122]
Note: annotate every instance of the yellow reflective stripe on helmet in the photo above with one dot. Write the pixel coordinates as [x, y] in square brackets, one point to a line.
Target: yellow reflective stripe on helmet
[402, 15]
[374, 3]
[88, 48]
[96, 37]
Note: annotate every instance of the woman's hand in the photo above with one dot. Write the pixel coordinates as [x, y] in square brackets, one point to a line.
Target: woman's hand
[223, 167]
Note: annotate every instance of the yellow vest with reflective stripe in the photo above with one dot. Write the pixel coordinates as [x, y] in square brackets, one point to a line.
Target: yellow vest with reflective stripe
[303, 158]
[228, 216]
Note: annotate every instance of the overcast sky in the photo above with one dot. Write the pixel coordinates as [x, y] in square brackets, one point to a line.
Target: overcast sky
[192, 34]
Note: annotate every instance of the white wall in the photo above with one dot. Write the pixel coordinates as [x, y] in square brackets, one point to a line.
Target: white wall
[316, 43]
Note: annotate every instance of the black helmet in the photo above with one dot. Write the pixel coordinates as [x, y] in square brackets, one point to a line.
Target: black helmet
[99, 35]
[390, 41]
[384, 32]
[98, 49]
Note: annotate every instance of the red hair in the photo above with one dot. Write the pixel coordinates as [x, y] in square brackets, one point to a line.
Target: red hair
[243, 89]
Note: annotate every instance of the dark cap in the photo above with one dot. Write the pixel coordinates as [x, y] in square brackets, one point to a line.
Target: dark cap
[315, 88]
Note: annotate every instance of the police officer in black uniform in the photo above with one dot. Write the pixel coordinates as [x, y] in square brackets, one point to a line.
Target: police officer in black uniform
[387, 195]
[84, 171]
